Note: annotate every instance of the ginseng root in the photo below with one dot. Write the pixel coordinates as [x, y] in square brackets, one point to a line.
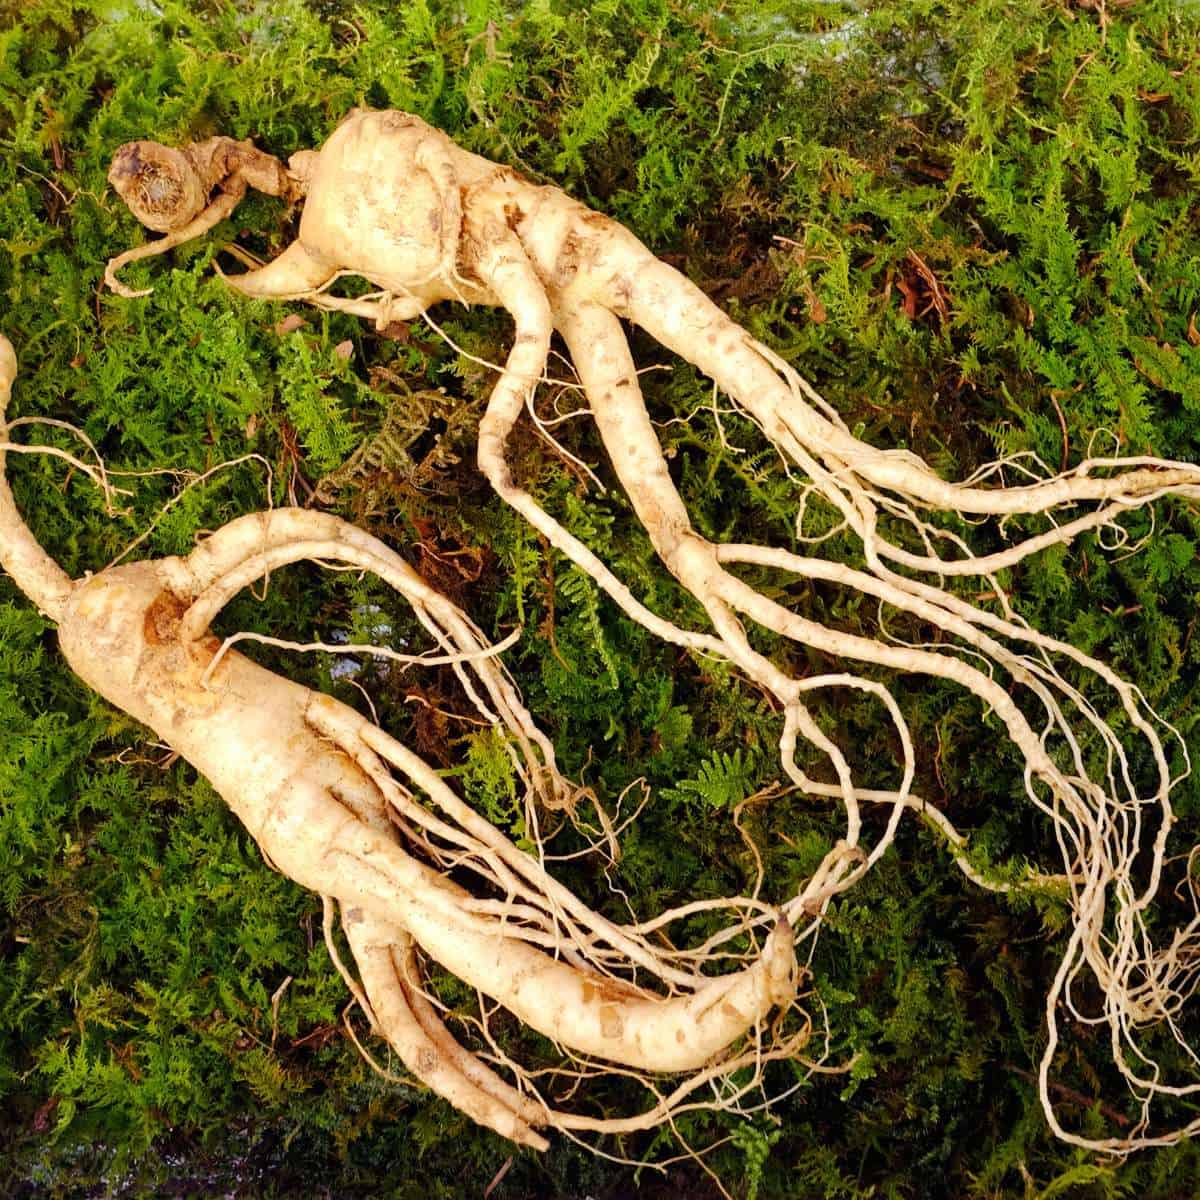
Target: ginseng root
[343, 809]
[394, 200]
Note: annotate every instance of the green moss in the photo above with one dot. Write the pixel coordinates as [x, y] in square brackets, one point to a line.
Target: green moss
[812, 165]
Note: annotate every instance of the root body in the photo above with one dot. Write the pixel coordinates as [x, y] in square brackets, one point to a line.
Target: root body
[312, 781]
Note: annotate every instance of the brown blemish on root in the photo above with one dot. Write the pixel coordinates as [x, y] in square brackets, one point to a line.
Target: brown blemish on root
[622, 289]
[160, 627]
[607, 991]
[161, 623]
[568, 261]
[611, 1024]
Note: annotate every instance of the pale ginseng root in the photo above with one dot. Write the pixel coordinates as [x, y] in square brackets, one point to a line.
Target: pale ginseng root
[393, 200]
[347, 811]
